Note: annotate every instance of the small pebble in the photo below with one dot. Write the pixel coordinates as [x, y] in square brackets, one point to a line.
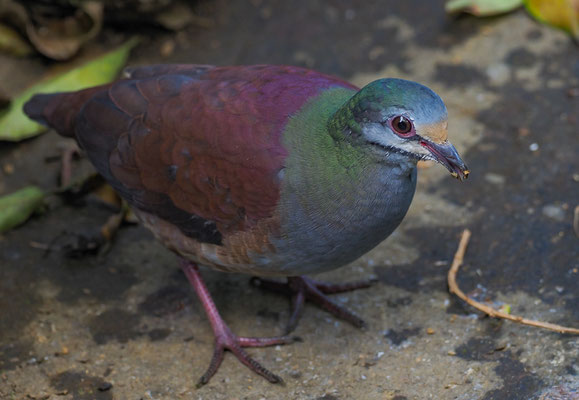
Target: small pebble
[495, 179]
[430, 331]
[534, 146]
[103, 387]
[554, 211]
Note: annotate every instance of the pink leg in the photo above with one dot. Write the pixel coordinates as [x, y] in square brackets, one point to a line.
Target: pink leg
[224, 338]
[302, 289]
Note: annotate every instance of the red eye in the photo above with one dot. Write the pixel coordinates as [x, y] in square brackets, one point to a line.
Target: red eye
[402, 126]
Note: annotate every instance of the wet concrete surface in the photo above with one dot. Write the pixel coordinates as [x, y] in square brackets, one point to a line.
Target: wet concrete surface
[126, 325]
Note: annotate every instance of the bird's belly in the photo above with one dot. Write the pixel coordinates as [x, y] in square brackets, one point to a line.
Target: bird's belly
[329, 248]
[294, 253]
[297, 241]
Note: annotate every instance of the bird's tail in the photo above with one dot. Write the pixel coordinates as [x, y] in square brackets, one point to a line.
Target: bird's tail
[58, 110]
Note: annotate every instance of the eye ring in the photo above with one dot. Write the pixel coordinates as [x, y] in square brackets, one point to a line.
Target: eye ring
[402, 126]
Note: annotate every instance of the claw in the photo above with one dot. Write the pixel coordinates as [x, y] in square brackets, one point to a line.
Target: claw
[303, 289]
[227, 340]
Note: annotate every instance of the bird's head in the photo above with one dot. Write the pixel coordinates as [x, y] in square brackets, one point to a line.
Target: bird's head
[404, 117]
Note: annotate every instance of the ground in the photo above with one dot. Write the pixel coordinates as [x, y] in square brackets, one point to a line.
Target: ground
[126, 325]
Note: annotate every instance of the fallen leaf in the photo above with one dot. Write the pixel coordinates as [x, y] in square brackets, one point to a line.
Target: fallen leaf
[91, 240]
[61, 38]
[17, 207]
[482, 8]
[55, 30]
[108, 196]
[15, 125]
[562, 14]
[178, 16]
[12, 43]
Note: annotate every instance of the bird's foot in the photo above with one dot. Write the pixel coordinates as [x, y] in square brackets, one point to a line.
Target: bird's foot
[224, 338]
[227, 340]
[301, 289]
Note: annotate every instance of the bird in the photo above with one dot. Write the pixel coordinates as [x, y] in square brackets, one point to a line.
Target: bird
[267, 170]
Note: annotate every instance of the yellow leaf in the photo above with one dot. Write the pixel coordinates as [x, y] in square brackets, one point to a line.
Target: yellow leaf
[15, 125]
[562, 14]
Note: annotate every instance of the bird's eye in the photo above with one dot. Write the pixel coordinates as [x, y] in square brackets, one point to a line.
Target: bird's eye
[402, 126]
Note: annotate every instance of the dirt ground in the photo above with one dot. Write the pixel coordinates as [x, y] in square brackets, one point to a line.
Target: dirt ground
[126, 325]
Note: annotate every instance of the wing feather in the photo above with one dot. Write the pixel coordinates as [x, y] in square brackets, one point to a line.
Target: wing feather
[199, 146]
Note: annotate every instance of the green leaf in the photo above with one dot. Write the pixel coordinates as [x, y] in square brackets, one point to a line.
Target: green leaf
[482, 8]
[562, 14]
[17, 207]
[15, 125]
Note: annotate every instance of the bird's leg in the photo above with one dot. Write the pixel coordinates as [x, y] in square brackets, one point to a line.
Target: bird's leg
[224, 338]
[301, 289]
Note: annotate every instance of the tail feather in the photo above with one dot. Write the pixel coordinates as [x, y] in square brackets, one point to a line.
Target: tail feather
[37, 108]
[58, 110]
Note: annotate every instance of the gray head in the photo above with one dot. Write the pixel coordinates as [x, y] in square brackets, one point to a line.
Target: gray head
[405, 117]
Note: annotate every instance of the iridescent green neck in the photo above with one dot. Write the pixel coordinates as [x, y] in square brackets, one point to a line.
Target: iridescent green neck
[342, 123]
[318, 148]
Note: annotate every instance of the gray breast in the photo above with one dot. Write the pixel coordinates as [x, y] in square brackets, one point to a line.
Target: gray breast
[320, 236]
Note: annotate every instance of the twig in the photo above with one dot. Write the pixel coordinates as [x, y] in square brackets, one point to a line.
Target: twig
[69, 150]
[491, 312]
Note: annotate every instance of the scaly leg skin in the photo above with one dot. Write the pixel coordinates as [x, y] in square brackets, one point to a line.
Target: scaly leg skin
[301, 289]
[224, 338]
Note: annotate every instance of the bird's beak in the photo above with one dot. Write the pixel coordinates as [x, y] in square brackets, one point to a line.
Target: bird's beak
[446, 154]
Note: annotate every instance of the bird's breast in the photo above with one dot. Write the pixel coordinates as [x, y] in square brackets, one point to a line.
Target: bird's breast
[338, 224]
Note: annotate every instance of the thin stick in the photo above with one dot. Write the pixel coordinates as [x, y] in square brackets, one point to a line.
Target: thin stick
[68, 149]
[491, 312]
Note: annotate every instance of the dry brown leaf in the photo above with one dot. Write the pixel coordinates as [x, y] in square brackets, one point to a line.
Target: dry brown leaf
[54, 34]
